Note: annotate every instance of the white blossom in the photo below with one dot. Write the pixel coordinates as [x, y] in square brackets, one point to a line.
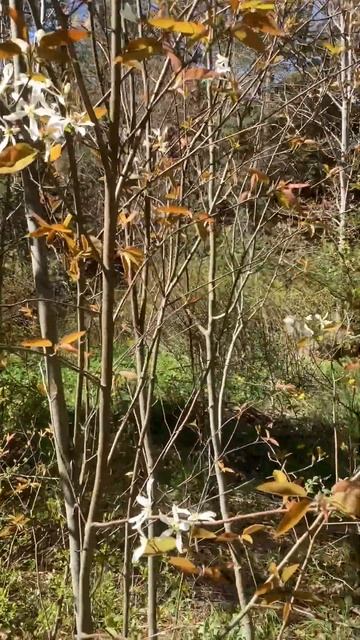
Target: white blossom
[205, 516]
[146, 503]
[8, 134]
[177, 524]
[7, 74]
[222, 64]
[140, 550]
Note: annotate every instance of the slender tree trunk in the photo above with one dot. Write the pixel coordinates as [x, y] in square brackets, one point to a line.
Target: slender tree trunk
[346, 88]
[55, 387]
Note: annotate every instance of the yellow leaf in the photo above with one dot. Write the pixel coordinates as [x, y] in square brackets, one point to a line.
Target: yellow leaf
[288, 572]
[334, 49]
[253, 528]
[184, 565]
[282, 488]
[140, 49]
[280, 476]
[36, 342]
[71, 337]
[19, 520]
[332, 328]
[132, 258]
[8, 50]
[203, 534]
[173, 210]
[174, 194]
[257, 4]
[158, 546]
[62, 37]
[55, 152]
[149, 44]
[245, 537]
[100, 112]
[301, 344]
[286, 612]
[248, 37]
[294, 514]
[175, 26]
[223, 468]
[16, 158]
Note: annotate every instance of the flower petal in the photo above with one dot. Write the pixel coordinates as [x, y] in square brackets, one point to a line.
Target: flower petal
[139, 551]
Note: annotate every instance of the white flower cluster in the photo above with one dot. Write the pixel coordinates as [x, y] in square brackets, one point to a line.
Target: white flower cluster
[35, 108]
[178, 523]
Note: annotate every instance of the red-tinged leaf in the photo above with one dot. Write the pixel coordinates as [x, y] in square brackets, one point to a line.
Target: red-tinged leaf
[36, 342]
[62, 37]
[245, 196]
[66, 347]
[214, 574]
[18, 19]
[258, 176]
[227, 536]
[297, 185]
[352, 366]
[192, 76]
[345, 496]
[184, 565]
[16, 158]
[295, 513]
[262, 22]
[175, 61]
[248, 37]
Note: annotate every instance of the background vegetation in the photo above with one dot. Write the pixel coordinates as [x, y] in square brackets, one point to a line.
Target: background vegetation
[186, 219]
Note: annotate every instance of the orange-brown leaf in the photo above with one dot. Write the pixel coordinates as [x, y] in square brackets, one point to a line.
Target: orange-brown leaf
[71, 337]
[293, 515]
[8, 50]
[62, 37]
[248, 37]
[16, 157]
[263, 22]
[36, 342]
[184, 565]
